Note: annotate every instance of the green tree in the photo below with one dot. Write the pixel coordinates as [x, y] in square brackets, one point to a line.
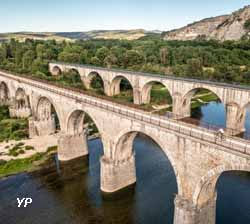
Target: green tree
[132, 58]
[95, 61]
[28, 58]
[102, 53]
[194, 67]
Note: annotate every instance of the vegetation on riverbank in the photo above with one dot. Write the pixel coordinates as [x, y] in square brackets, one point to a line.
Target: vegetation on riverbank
[203, 97]
[12, 128]
[25, 165]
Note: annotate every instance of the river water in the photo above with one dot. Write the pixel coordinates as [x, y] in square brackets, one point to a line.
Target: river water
[70, 194]
[215, 113]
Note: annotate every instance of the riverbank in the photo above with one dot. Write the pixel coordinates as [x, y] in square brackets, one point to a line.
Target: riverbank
[32, 163]
[36, 152]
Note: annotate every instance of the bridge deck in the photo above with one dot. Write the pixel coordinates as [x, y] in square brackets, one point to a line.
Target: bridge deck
[161, 76]
[235, 144]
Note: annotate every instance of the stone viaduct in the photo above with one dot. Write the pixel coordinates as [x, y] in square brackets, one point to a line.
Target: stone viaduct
[235, 98]
[197, 156]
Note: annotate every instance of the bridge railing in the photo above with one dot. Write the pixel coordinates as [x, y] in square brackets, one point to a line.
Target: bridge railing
[167, 122]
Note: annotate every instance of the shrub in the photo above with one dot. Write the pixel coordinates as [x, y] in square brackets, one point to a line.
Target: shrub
[29, 147]
[21, 151]
[52, 149]
[19, 144]
[13, 153]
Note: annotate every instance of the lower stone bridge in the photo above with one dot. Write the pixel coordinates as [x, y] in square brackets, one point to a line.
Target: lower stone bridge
[197, 156]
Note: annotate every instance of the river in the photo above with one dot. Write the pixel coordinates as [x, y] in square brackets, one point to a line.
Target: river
[70, 194]
[215, 113]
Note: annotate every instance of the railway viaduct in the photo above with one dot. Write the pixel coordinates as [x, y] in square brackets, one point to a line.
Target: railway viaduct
[235, 98]
[197, 156]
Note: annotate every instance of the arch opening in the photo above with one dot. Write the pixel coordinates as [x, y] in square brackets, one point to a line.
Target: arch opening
[226, 188]
[71, 78]
[22, 100]
[47, 112]
[202, 107]
[96, 82]
[80, 127]
[56, 70]
[79, 122]
[4, 92]
[122, 89]
[157, 97]
[154, 170]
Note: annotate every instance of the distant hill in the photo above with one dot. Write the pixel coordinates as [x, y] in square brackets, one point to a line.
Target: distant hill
[226, 27]
[71, 36]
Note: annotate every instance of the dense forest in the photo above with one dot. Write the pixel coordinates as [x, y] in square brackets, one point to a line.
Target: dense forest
[211, 60]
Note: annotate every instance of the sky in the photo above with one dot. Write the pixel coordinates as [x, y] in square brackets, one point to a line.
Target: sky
[84, 15]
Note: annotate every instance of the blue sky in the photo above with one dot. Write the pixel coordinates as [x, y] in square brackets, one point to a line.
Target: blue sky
[83, 15]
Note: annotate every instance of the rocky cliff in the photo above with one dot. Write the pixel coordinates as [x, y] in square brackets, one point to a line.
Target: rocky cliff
[227, 27]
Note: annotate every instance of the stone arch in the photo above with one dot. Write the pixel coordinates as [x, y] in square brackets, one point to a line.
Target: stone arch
[146, 91]
[73, 70]
[90, 77]
[206, 188]
[73, 142]
[56, 70]
[123, 149]
[115, 86]
[187, 97]
[4, 92]
[22, 100]
[75, 121]
[45, 109]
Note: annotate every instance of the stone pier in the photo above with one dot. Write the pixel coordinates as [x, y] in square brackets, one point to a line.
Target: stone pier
[72, 146]
[42, 127]
[180, 109]
[235, 120]
[137, 98]
[188, 213]
[116, 175]
[23, 112]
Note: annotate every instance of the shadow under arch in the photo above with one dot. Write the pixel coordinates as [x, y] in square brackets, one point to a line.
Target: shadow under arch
[46, 110]
[120, 83]
[56, 70]
[78, 120]
[156, 91]
[73, 70]
[95, 81]
[123, 149]
[4, 92]
[21, 98]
